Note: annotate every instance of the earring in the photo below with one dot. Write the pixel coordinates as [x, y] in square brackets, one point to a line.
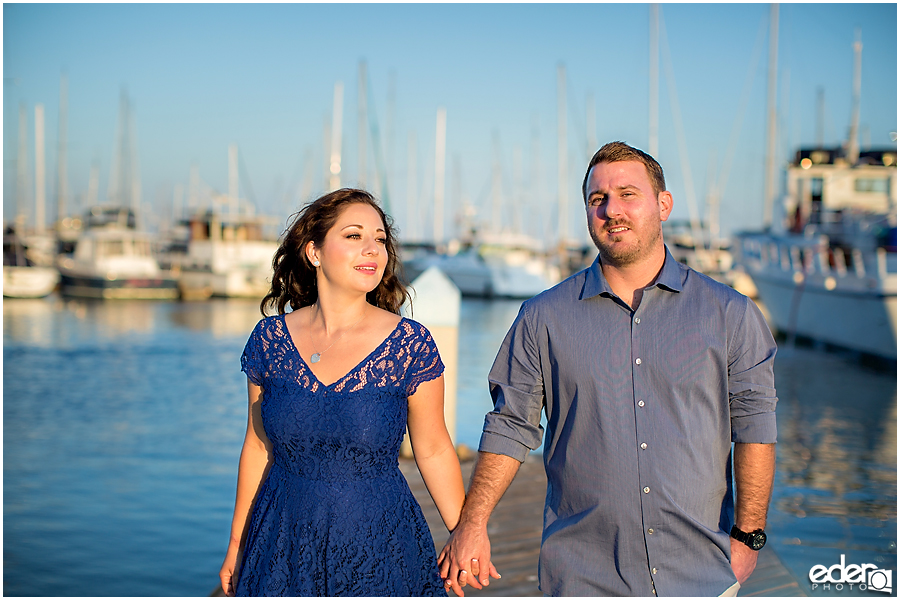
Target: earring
[315, 263]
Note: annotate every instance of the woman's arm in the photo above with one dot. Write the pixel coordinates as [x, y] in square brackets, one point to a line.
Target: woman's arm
[255, 459]
[434, 452]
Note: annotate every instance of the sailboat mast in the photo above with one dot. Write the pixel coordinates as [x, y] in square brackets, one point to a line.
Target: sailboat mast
[496, 193]
[62, 190]
[40, 190]
[591, 124]
[440, 148]
[653, 144]
[233, 181]
[22, 171]
[562, 155]
[772, 117]
[853, 142]
[362, 121]
[336, 114]
[412, 223]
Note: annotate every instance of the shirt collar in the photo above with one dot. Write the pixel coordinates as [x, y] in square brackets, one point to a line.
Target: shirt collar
[670, 278]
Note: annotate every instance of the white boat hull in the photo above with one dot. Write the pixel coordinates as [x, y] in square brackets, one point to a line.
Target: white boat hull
[29, 282]
[865, 321]
[466, 271]
[85, 285]
[236, 283]
[808, 293]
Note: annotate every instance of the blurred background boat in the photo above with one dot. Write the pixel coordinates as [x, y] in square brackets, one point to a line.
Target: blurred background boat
[502, 265]
[710, 255]
[827, 268]
[226, 249]
[112, 260]
[226, 255]
[22, 276]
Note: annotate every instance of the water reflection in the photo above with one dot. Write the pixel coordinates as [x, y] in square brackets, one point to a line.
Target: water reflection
[837, 437]
[836, 479]
[222, 317]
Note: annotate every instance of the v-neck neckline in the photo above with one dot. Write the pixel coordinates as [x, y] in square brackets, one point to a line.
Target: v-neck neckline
[290, 338]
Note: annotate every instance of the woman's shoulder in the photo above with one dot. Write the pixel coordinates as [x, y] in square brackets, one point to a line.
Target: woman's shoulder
[412, 327]
[268, 327]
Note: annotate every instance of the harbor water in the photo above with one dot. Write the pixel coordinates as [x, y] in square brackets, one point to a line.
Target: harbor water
[123, 421]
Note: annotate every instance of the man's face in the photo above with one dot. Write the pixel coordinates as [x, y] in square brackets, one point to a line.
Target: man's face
[624, 214]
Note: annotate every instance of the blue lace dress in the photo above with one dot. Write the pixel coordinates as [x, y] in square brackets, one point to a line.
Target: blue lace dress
[335, 517]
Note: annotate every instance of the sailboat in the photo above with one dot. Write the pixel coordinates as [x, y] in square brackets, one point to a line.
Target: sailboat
[22, 277]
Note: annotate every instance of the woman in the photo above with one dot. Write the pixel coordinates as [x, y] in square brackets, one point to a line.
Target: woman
[322, 508]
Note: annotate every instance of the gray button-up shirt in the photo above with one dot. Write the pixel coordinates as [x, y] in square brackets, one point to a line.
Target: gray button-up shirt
[642, 407]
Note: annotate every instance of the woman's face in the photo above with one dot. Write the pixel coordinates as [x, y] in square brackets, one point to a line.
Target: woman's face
[353, 254]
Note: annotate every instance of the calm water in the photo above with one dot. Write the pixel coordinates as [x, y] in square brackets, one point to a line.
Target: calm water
[123, 423]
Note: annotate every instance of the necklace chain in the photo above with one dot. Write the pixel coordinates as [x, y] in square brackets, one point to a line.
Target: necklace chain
[317, 356]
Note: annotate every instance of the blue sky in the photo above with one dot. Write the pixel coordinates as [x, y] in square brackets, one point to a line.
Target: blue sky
[204, 76]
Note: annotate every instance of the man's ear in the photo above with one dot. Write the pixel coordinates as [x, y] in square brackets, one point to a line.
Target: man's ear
[665, 205]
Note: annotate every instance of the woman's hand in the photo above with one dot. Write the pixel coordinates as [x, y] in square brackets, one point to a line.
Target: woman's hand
[226, 573]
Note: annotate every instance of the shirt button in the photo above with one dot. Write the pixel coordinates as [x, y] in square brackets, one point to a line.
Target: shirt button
[653, 570]
[650, 531]
[644, 446]
[640, 402]
[637, 320]
[637, 361]
[646, 490]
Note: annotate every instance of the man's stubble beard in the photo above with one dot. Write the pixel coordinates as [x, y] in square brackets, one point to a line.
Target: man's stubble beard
[628, 255]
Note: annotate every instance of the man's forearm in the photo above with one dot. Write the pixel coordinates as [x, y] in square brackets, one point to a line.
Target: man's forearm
[492, 475]
[754, 472]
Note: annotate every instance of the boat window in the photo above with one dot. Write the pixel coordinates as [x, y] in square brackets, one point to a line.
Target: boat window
[109, 248]
[871, 184]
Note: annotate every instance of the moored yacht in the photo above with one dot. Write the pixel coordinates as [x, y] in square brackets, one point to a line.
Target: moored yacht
[226, 255]
[829, 271]
[114, 262]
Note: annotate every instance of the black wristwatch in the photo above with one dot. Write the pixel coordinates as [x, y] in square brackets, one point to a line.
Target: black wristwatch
[755, 540]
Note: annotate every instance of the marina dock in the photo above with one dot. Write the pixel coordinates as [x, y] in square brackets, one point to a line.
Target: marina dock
[515, 531]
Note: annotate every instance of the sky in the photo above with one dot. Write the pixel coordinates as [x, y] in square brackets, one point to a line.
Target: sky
[203, 77]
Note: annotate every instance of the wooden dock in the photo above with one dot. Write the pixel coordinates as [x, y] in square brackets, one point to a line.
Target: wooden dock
[515, 531]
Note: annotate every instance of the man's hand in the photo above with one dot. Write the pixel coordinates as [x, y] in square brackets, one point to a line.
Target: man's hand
[466, 558]
[743, 560]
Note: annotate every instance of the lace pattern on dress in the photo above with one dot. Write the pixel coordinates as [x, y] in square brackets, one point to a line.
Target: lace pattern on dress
[408, 355]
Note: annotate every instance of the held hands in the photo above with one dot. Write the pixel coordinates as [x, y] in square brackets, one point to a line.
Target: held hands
[743, 560]
[466, 559]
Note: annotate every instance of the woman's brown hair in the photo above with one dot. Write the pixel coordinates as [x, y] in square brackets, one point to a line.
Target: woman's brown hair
[294, 279]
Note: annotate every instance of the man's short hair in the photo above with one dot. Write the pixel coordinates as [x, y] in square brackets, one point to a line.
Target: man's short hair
[620, 151]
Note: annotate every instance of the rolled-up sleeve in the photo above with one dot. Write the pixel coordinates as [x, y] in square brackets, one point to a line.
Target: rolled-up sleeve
[513, 428]
[751, 379]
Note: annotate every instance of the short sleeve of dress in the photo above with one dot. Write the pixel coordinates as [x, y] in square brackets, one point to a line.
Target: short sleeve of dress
[252, 359]
[426, 364]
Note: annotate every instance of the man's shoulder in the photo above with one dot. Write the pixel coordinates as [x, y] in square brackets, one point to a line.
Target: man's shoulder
[712, 287]
[565, 292]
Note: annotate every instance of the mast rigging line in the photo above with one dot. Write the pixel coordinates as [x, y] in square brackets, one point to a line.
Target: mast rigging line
[689, 192]
[745, 98]
[377, 149]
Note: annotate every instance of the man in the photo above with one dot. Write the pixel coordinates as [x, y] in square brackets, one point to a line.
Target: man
[647, 372]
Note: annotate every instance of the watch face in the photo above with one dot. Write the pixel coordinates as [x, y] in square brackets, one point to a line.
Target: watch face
[757, 540]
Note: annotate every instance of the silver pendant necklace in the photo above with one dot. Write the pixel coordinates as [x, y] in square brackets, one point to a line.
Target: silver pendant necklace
[317, 356]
